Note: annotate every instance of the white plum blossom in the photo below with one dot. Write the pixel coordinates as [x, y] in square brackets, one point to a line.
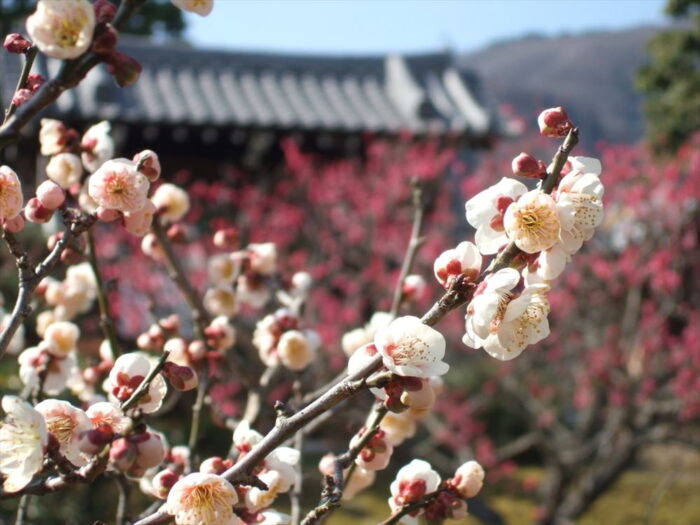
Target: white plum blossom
[295, 349]
[278, 474]
[501, 322]
[52, 137]
[263, 258]
[23, 438]
[399, 426]
[199, 499]
[97, 145]
[579, 200]
[61, 338]
[139, 222]
[221, 269]
[128, 373]
[220, 300]
[413, 481]
[358, 337]
[66, 423]
[272, 517]
[11, 199]
[411, 348]
[116, 185]
[65, 169]
[361, 358]
[171, 202]
[58, 370]
[107, 418]
[468, 479]
[465, 260]
[532, 222]
[62, 28]
[485, 212]
[200, 7]
[245, 438]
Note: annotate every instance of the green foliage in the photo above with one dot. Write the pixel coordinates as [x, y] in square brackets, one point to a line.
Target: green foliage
[156, 18]
[671, 80]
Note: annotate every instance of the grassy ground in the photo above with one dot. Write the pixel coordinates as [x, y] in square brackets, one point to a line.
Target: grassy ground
[665, 492]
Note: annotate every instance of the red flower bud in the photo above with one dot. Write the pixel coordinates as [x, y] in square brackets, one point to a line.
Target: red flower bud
[554, 122]
[21, 96]
[181, 378]
[16, 43]
[525, 165]
[36, 212]
[106, 40]
[104, 10]
[123, 68]
[35, 81]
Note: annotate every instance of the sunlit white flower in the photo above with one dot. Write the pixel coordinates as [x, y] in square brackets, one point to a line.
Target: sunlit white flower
[360, 480]
[52, 137]
[412, 482]
[294, 349]
[376, 454]
[263, 257]
[411, 348]
[128, 373]
[361, 358]
[579, 199]
[139, 222]
[399, 427]
[245, 438]
[58, 371]
[532, 222]
[253, 291]
[62, 28]
[221, 269]
[221, 300]
[65, 169]
[502, 323]
[116, 185]
[465, 260]
[151, 448]
[468, 479]
[278, 475]
[358, 337]
[61, 338]
[66, 423]
[485, 213]
[23, 438]
[97, 145]
[200, 7]
[220, 335]
[107, 418]
[258, 498]
[172, 202]
[199, 499]
[148, 163]
[11, 199]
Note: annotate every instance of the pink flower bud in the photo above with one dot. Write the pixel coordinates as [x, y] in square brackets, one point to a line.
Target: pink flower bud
[104, 10]
[327, 465]
[163, 482]
[147, 162]
[170, 323]
[468, 479]
[105, 42]
[554, 122]
[93, 441]
[107, 215]
[16, 43]
[122, 454]
[525, 165]
[182, 378]
[35, 81]
[50, 194]
[14, 225]
[226, 238]
[150, 449]
[36, 212]
[196, 350]
[215, 465]
[123, 68]
[21, 96]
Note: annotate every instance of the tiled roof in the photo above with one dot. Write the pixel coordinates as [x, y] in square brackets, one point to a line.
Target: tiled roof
[181, 85]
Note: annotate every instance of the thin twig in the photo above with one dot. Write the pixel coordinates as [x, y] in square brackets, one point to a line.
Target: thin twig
[296, 493]
[29, 57]
[106, 322]
[22, 509]
[193, 440]
[123, 503]
[407, 509]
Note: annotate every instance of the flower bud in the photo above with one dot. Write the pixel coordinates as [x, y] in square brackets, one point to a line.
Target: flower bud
[35, 81]
[123, 68]
[104, 10]
[177, 234]
[525, 165]
[16, 43]
[150, 449]
[182, 378]
[294, 350]
[163, 482]
[36, 212]
[14, 225]
[215, 465]
[226, 238]
[554, 122]
[196, 350]
[147, 162]
[122, 454]
[327, 465]
[413, 287]
[21, 96]
[93, 441]
[50, 194]
[468, 479]
[105, 42]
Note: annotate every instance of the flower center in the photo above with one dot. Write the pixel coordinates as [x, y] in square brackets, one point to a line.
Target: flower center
[68, 33]
[62, 428]
[207, 499]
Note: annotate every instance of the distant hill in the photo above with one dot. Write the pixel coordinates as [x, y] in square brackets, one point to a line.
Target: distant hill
[591, 74]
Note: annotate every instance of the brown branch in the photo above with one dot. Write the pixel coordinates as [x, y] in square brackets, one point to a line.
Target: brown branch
[407, 509]
[193, 440]
[29, 57]
[30, 277]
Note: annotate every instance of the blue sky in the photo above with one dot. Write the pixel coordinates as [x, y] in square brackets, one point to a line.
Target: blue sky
[380, 26]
